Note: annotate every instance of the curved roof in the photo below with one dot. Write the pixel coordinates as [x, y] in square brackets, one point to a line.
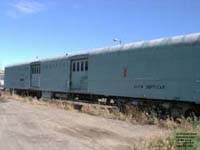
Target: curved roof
[37, 60]
[182, 39]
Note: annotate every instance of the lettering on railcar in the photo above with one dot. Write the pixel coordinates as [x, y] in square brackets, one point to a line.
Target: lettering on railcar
[151, 86]
[139, 86]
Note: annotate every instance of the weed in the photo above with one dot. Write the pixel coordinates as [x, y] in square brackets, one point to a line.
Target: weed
[135, 116]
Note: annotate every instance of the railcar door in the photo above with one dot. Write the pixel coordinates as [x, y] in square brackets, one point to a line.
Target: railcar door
[35, 75]
[79, 75]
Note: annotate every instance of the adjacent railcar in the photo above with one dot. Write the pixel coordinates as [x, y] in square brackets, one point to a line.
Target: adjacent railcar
[164, 69]
[41, 77]
[17, 76]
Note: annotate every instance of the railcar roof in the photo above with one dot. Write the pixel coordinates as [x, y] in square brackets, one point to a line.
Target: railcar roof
[182, 39]
[38, 60]
[167, 41]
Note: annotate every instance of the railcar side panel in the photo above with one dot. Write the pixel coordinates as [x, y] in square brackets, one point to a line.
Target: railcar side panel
[54, 75]
[162, 72]
[17, 77]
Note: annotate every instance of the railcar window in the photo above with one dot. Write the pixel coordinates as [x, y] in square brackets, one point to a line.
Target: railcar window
[35, 69]
[86, 65]
[82, 66]
[77, 66]
[74, 67]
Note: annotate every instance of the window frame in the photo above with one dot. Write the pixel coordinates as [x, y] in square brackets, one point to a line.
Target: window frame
[74, 66]
[86, 65]
[77, 66]
[82, 65]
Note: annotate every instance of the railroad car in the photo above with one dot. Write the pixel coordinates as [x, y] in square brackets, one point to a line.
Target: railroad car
[163, 73]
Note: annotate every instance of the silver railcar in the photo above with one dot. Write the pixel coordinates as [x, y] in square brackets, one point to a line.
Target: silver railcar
[164, 70]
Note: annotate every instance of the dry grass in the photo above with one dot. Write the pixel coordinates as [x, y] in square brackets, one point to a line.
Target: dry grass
[183, 126]
[136, 116]
[30, 100]
[133, 115]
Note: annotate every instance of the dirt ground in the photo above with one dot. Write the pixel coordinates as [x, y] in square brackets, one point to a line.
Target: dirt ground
[25, 126]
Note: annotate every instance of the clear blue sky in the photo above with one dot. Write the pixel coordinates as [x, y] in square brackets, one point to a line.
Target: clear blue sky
[47, 28]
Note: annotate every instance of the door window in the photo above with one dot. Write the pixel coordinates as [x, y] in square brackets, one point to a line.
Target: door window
[86, 65]
[77, 66]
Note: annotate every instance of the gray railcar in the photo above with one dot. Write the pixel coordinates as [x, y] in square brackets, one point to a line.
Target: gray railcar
[164, 69]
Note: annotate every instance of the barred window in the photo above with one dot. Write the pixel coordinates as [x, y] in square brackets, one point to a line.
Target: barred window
[82, 66]
[74, 67]
[86, 65]
[77, 66]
